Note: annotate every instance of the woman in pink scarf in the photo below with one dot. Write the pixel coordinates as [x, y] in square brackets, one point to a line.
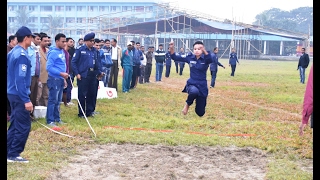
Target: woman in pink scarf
[307, 103]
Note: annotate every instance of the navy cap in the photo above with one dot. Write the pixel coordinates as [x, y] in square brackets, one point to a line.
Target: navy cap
[24, 31]
[89, 36]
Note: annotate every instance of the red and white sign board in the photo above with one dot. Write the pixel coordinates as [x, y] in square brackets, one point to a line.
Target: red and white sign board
[103, 92]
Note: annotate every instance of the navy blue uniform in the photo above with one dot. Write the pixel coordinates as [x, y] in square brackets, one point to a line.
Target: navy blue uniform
[181, 64]
[87, 63]
[168, 64]
[137, 57]
[18, 90]
[233, 62]
[214, 69]
[196, 86]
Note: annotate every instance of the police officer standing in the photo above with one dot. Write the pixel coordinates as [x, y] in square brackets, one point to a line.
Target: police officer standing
[87, 68]
[18, 91]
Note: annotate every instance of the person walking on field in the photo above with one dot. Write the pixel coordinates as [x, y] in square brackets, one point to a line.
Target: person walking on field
[233, 60]
[303, 64]
[214, 67]
[196, 87]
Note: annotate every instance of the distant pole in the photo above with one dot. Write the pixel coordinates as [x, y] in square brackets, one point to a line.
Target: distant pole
[232, 44]
[156, 30]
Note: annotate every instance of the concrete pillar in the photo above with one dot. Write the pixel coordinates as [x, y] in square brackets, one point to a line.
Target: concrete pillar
[281, 47]
[217, 43]
[265, 47]
[142, 41]
[157, 44]
[249, 47]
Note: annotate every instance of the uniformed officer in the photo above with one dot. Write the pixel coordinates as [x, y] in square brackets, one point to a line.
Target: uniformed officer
[86, 66]
[18, 90]
[196, 87]
[233, 60]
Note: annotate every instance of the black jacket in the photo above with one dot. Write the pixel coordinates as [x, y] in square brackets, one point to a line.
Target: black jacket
[304, 60]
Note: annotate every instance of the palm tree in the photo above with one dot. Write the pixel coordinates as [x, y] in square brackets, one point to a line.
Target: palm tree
[53, 24]
[23, 18]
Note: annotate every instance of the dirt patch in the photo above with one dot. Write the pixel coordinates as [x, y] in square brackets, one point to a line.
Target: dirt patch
[128, 161]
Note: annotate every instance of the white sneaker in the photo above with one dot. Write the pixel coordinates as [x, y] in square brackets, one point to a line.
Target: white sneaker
[70, 103]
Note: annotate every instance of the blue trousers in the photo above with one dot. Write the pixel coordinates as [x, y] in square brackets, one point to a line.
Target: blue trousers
[201, 101]
[95, 95]
[168, 67]
[55, 86]
[181, 64]
[87, 93]
[105, 78]
[233, 69]
[135, 75]
[159, 70]
[126, 78]
[19, 129]
[302, 72]
[176, 63]
[213, 78]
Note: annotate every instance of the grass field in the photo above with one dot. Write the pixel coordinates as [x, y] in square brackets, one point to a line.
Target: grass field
[263, 99]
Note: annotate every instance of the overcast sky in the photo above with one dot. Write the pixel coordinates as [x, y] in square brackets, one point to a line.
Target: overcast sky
[244, 10]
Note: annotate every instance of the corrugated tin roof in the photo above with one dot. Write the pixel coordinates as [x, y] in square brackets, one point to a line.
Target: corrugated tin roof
[277, 33]
[221, 25]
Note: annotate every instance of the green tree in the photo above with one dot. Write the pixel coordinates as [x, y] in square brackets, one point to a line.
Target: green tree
[296, 20]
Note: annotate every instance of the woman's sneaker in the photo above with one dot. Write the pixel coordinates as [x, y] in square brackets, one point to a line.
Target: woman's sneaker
[17, 159]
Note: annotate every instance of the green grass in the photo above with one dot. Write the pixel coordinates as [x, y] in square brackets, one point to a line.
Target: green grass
[264, 98]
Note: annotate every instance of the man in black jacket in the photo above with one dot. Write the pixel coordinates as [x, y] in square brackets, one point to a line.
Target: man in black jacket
[303, 64]
[160, 56]
[71, 50]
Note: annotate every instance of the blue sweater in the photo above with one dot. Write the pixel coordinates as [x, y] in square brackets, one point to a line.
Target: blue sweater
[127, 58]
[56, 62]
[19, 73]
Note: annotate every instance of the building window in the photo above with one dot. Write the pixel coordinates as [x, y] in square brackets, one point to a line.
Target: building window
[46, 8]
[104, 8]
[139, 8]
[92, 8]
[81, 8]
[69, 8]
[59, 8]
[32, 8]
[22, 7]
[126, 8]
[33, 19]
[11, 8]
[81, 20]
[70, 20]
[11, 19]
[149, 8]
[44, 19]
[114, 8]
[78, 32]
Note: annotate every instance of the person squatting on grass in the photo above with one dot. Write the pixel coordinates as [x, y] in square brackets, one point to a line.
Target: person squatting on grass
[196, 87]
[307, 104]
[18, 91]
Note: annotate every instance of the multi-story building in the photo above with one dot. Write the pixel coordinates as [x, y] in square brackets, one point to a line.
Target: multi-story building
[77, 17]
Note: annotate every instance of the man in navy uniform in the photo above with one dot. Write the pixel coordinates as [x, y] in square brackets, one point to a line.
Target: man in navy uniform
[233, 60]
[87, 68]
[18, 90]
[214, 66]
[168, 64]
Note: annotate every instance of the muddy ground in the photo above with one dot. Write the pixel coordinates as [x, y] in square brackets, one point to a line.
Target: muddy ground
[144, 162]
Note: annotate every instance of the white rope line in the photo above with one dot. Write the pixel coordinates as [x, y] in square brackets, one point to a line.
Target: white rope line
[84, 114]
[54, 130]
